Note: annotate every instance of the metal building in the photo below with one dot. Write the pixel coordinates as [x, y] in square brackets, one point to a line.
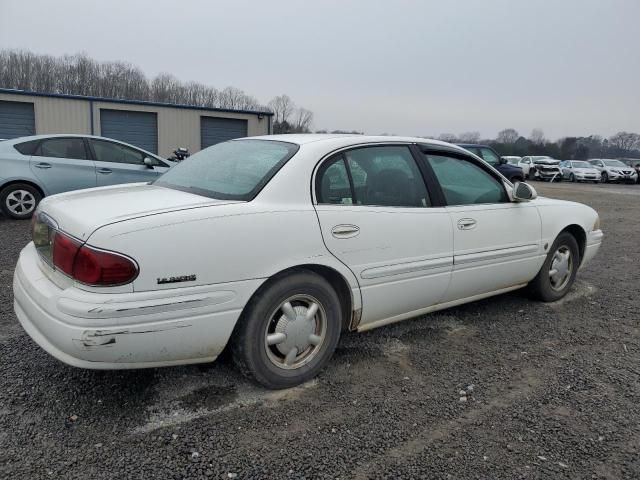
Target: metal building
[156, 127]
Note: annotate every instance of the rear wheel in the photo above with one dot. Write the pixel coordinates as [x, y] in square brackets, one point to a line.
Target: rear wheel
[19, 200]
[558, 272]
[289, 331]
[572, 177]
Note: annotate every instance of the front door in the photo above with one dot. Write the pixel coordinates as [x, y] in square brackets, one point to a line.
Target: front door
[117, 163]
[376, 216]
[62, 164]
[496, 242]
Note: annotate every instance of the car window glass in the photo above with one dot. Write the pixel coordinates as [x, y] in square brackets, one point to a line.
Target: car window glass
[63, 148]
[386, 176]
[464, 183]
[114, 152]
[489, 156]
[27, 148]
[333, 185]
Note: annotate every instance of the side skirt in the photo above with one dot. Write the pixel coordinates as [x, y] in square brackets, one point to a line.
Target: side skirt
[434, 308]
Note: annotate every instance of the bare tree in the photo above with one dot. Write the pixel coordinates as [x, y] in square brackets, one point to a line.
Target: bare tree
[537, 136]
[508, 136]
[625, 141]
[302, 120]
[448, 137]
[469, 137]
[282, 108]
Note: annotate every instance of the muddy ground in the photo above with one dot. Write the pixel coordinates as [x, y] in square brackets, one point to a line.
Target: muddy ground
[556, 391]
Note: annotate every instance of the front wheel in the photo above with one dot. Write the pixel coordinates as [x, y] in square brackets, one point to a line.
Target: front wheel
[558, 271]
[604, 178]
[19, 200]
[572, 178]
[288, 331]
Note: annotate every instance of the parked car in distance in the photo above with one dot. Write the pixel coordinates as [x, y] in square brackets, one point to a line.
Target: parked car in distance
[579, 171]
[277, 244]
[527, 163]
[512, 172]
[512, 159]
[614, 171]
[34, 167]
[545, 169]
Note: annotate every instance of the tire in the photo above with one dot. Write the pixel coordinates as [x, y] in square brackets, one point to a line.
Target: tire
[19, 200]
[547, 287]
[572, 178]
[264, 317]
[604, 177]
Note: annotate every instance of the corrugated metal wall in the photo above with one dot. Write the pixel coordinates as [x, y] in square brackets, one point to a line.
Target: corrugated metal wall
[16, 119]
[177, 127]
[137, 128]
[215, 130]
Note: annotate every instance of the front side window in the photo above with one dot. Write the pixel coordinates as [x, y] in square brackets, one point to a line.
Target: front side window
[464, 183]
[62, 148]
[490, 156]
[234, 170]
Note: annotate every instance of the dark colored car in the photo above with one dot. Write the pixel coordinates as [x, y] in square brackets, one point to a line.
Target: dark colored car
[489, 155]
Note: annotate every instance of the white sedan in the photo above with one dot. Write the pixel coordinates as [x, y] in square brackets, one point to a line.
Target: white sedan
[275, 245]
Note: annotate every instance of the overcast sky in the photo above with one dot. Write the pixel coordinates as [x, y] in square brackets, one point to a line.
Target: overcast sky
[570, 67]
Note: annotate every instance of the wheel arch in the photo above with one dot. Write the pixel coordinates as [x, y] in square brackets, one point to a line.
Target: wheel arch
[350, 306]
[26, 182]
[579, 234]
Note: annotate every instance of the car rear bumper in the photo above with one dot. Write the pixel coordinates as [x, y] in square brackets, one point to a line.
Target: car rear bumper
[594, 240]
[131, 330]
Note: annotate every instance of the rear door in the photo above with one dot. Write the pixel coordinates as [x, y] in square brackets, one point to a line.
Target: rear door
[378, 218]
[496, 242]
[62, 164]
[117, 163]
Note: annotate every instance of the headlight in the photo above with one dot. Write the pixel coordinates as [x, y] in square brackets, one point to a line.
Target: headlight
[596, 224]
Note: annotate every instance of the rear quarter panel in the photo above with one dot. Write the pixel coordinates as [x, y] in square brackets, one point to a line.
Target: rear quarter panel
[15, 167]
[220, 244]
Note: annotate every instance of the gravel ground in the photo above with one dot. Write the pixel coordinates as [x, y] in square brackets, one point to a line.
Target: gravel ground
[555, 392]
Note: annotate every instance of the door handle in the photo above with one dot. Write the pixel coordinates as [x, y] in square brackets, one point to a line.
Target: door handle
[43, 165]
[345, 231]
[106, 171]
[466, 224]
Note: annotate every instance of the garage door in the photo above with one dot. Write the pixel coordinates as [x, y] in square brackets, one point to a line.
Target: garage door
[216, 130]
[137, 128]
[16, 119]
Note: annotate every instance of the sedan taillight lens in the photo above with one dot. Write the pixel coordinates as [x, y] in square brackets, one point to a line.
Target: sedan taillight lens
[91, 266]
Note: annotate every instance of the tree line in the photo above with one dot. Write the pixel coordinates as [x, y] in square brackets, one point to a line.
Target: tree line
[510, 142]
[81, 75]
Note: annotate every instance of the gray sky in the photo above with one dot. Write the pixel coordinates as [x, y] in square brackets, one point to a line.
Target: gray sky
[570, 67]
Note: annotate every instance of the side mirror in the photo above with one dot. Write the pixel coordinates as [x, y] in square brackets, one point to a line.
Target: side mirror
[148, 162]
[523, 192]
[502, 161]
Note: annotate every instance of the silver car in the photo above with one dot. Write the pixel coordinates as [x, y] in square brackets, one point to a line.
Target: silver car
[34, 167]
[579, 171]
[614, 171]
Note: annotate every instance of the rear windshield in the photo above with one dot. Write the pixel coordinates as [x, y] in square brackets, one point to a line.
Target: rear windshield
[235, 170]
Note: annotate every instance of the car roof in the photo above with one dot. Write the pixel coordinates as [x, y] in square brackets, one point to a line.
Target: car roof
[14, 141]
[347, 139]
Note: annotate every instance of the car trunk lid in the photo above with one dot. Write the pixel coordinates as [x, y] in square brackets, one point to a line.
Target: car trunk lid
[81, 212]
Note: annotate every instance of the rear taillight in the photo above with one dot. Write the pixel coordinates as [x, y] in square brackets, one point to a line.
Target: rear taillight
[89, 265]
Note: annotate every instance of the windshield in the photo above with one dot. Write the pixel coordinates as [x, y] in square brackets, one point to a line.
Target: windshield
[581, 165]
[614, 163]
[540, 158]
[235, 170]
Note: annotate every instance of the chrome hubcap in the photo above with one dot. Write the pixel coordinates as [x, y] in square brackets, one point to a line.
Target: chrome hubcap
[561, 268]
[296, 332]
[20, 202]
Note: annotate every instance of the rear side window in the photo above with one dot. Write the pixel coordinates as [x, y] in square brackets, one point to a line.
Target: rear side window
[465, 183]
[27, 148]
[375, 176]
[62, 148]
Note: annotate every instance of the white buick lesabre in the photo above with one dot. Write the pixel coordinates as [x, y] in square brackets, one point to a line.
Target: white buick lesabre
[277, 244]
